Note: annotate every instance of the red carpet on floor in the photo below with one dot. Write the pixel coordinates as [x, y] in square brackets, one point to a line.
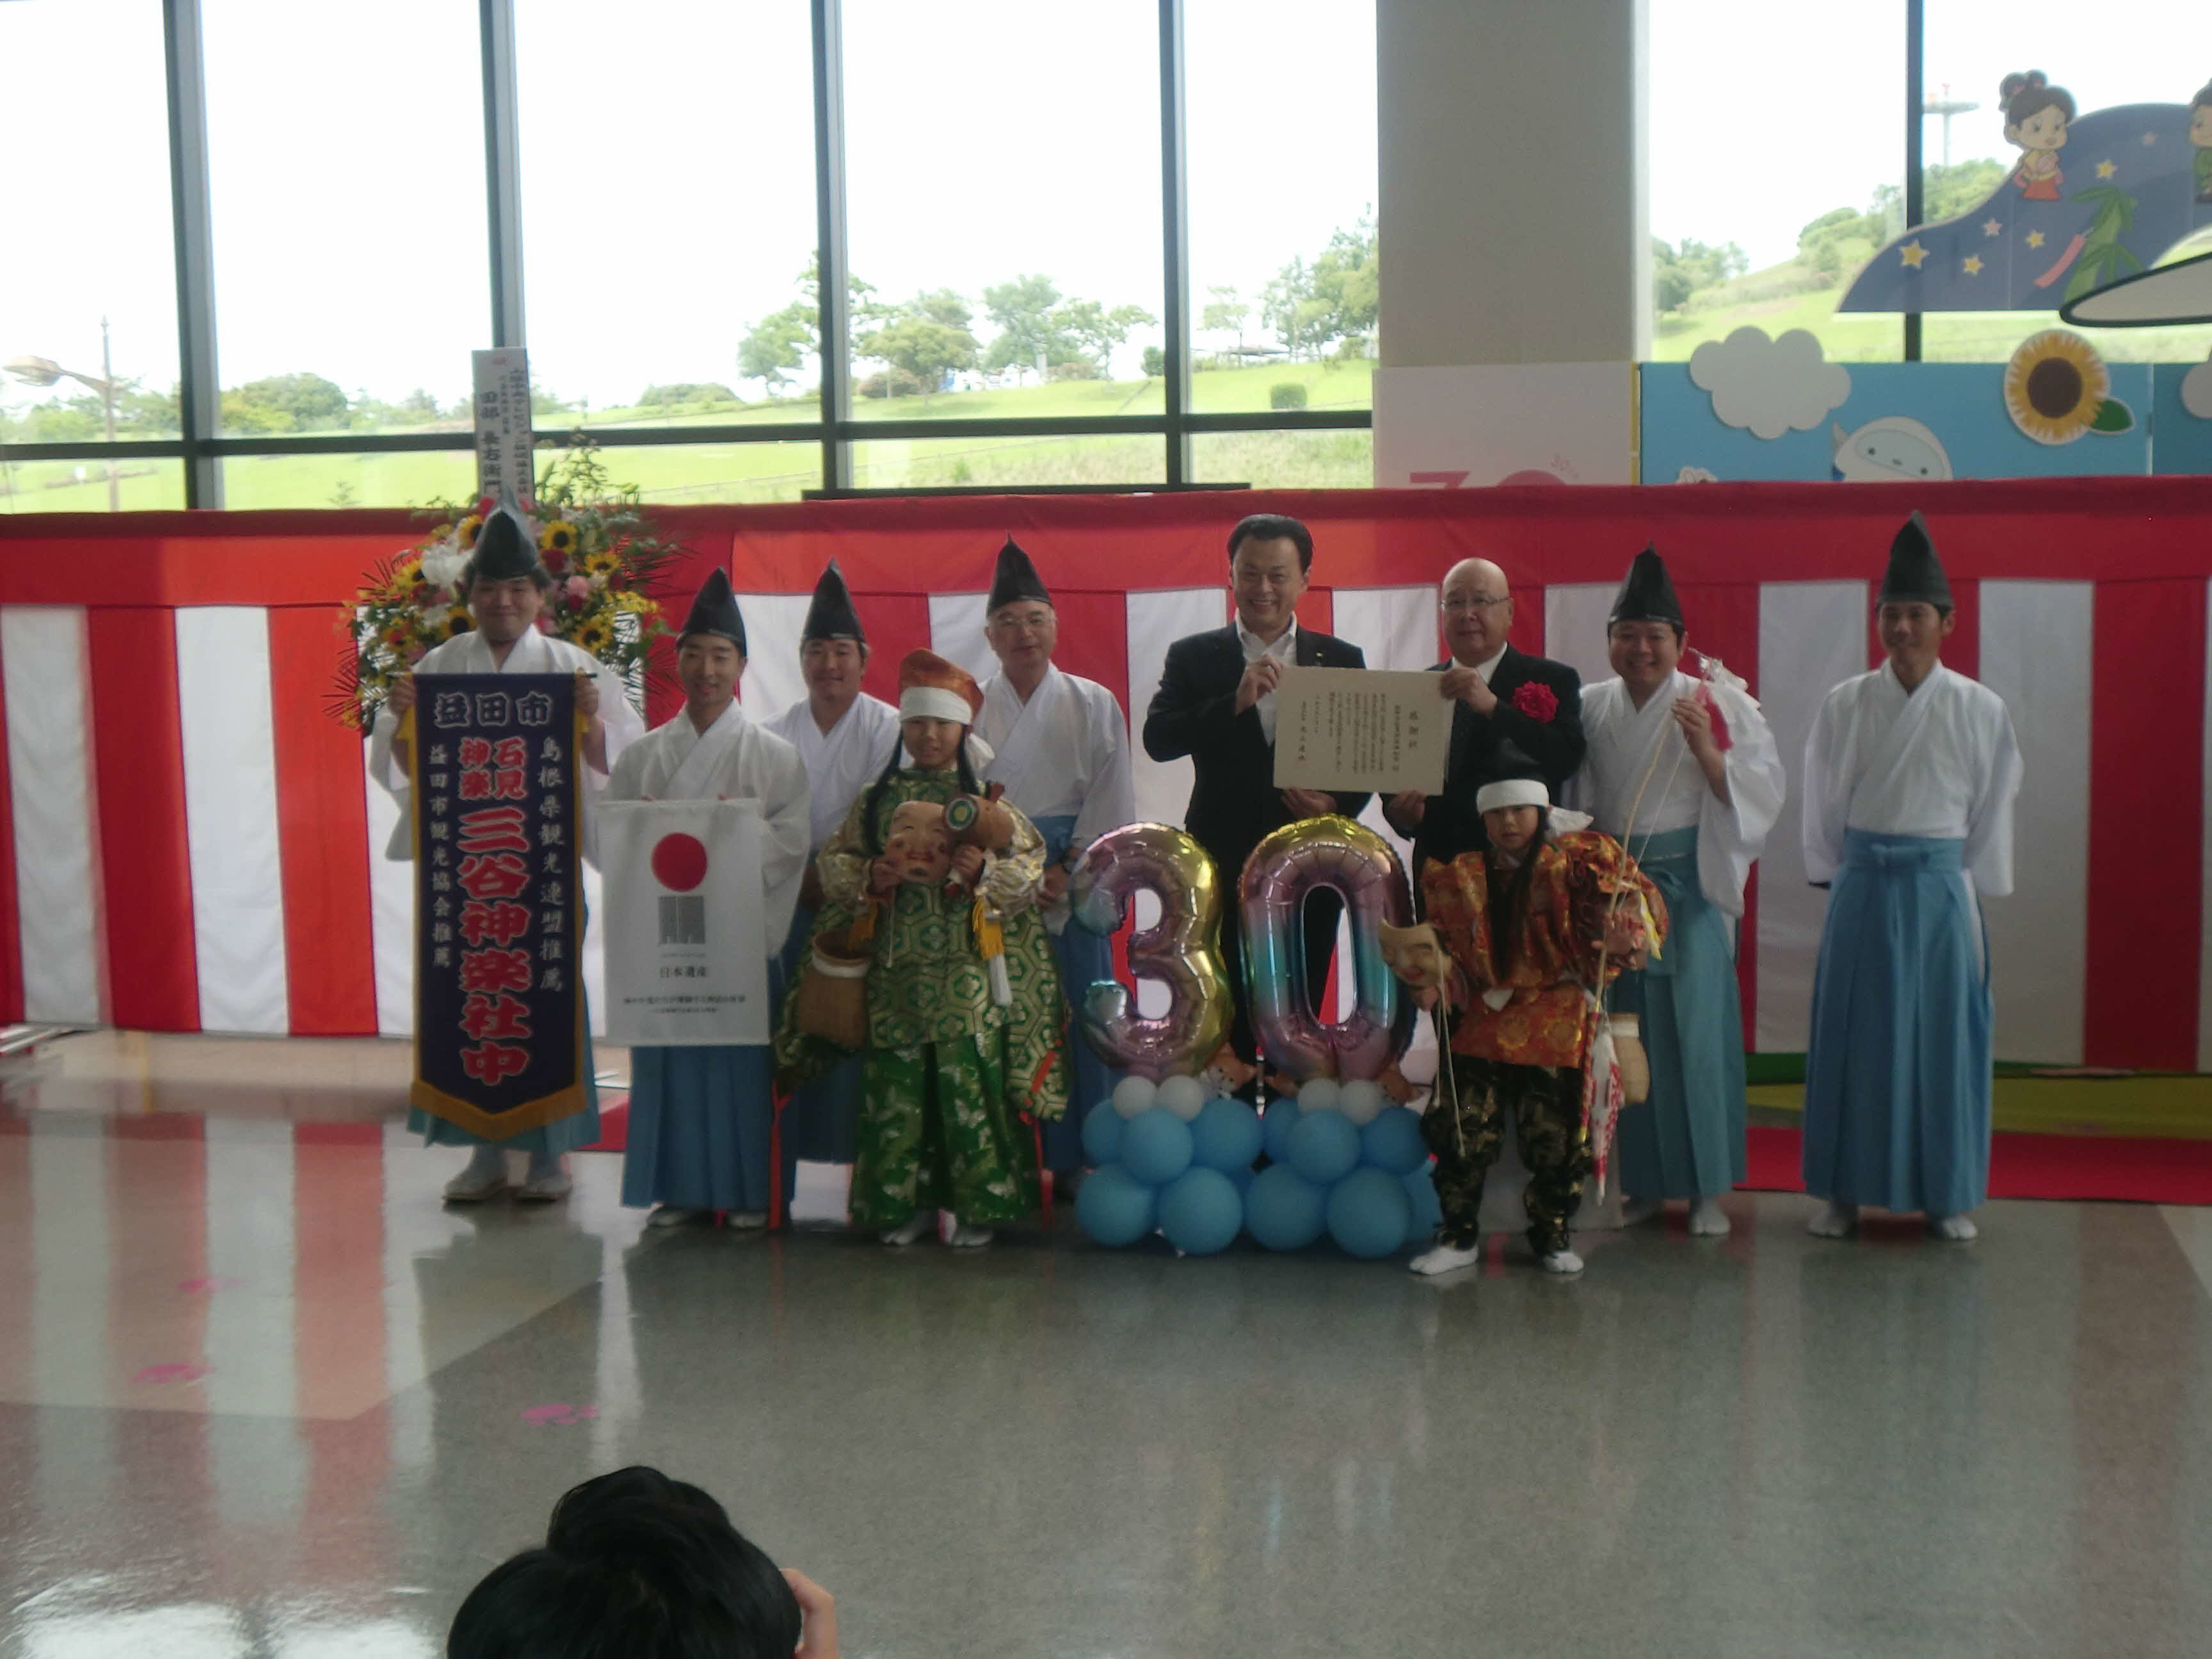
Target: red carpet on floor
[2118, 1167]
[614, 1125]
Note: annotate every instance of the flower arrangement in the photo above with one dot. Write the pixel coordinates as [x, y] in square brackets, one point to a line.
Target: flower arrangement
[593, 537]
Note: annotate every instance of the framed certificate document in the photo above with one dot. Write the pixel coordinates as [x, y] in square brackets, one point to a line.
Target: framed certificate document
[1361, 729]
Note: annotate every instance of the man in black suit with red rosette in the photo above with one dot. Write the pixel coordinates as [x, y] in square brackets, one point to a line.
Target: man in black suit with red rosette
[1216, 703]
[1506, 700]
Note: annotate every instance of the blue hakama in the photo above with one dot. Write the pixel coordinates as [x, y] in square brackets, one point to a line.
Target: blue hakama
[699, 1127]
[1686, 1140]
[1083, 956]
[549, 1140]
[1897, 1083]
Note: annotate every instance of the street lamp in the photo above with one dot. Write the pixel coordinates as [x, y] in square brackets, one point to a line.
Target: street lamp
[45, 372]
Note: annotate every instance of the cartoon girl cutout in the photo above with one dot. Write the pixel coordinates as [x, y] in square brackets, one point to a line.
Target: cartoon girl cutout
[2200, 134]
[2036, 115]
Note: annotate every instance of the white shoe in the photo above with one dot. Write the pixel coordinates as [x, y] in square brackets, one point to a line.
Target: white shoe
[1560, 1261]
[1638, 1210]
[965, 1237]
[1953, 1229]
[1444, 1259]
[1708, 1219]
[485, 1177]
[545, 1185]
[1837, 1221]
[671, 1215]
[911, 1229]
[748, 1221]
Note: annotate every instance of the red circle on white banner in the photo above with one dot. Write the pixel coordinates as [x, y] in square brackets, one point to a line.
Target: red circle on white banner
[679, 862]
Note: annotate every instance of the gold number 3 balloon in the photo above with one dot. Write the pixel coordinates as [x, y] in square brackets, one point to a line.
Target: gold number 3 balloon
[1182, 951]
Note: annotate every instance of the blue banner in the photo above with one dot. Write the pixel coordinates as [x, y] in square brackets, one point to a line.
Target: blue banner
[499, 918]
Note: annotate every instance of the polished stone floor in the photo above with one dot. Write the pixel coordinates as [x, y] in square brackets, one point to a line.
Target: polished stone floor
[260, 1393]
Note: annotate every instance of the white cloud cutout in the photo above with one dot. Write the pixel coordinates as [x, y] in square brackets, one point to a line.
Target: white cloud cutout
[2196, 391]
[1768, 387]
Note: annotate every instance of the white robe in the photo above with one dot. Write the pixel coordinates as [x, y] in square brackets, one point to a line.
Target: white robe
[733, 759]
[1063, 754]
[533, 653]
[1623, 741]
[840, 762]
[1939, 761]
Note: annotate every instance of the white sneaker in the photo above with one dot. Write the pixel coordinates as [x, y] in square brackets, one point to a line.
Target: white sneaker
[1953, 1229]
[1560, 1261]
[912, 1228]
[543, 1186]
[1708, 1219]
[748, 1221]
[965, 1237]
[1444, 1259]
[669, 1215]
[485, 1177]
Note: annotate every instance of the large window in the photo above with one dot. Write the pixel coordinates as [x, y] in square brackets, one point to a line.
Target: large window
[87, 292]
[1075, 246]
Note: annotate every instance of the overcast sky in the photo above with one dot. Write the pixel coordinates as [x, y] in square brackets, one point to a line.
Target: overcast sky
[667, 158]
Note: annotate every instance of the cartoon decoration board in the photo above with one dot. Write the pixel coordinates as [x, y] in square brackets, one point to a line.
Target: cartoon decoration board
[1751, 408]
[2095, 197]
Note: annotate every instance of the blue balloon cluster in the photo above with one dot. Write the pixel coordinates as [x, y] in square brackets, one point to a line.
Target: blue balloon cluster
[1367, 1186]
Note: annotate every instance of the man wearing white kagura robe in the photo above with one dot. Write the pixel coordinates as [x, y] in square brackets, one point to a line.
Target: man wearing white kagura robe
[1697, 840]
[1910, 777]
[843, 736]
[1063, 755]
[700, 1116]
[531, 653]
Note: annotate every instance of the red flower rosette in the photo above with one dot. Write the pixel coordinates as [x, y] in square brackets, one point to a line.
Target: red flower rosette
[1539, 703]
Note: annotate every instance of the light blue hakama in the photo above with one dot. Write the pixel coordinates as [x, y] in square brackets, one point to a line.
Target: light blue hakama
[822, 1120]
[699, 1127]
[1897, 1083]
[1686, 1140]
[1083, 956]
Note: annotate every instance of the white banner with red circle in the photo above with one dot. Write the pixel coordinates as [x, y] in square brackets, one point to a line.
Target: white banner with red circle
[686, 957]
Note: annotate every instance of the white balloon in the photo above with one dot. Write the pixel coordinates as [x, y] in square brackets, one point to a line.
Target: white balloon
[1319, 1094]
[1132, 1095]
[1361, 1100]
[1184, 1096]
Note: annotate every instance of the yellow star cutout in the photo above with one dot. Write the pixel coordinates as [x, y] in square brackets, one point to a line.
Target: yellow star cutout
[1913, 253]
[2106, 169]
[1973, 264]
[2035, 239]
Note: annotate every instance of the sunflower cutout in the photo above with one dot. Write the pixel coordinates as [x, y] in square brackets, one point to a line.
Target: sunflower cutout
[593, 635]
[558, 537]
[2057, 388]
[601, 561]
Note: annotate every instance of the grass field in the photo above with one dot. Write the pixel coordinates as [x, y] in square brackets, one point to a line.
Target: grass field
[680, 472]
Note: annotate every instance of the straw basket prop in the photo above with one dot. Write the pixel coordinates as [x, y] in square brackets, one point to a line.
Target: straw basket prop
[832, 999]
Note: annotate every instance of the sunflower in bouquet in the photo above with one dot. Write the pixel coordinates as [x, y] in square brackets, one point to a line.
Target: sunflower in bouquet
[598, 547]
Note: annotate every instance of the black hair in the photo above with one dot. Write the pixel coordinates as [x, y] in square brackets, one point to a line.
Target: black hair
[1510, 902]
[2024, 94]
[632, 1562]
[875, 826]
[2204, 98]
[1274, 526]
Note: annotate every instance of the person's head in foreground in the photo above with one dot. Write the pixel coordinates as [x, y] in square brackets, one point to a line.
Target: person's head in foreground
[1513, 811]
[1644, 634]
[1270, 564]
[637, 1566]
[1915, 612]
[505, 582]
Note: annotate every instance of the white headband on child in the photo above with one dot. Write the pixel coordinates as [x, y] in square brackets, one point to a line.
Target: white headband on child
[1511, 791]
[934, 703]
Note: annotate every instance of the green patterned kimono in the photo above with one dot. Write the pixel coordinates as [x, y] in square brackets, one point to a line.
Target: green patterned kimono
[950, 1074]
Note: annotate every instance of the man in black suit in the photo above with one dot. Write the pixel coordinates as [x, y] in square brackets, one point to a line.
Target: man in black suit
[1504, 697]
[1217, 704]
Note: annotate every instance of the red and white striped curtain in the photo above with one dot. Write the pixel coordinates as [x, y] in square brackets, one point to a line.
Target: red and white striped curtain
[189, 840]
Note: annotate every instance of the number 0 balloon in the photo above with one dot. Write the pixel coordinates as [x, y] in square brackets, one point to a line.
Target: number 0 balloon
[1324, 852]
[1181, 950]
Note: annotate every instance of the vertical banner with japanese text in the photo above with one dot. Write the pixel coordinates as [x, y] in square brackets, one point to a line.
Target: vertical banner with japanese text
[504, 433]
[687, 951]
[499, 1000]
